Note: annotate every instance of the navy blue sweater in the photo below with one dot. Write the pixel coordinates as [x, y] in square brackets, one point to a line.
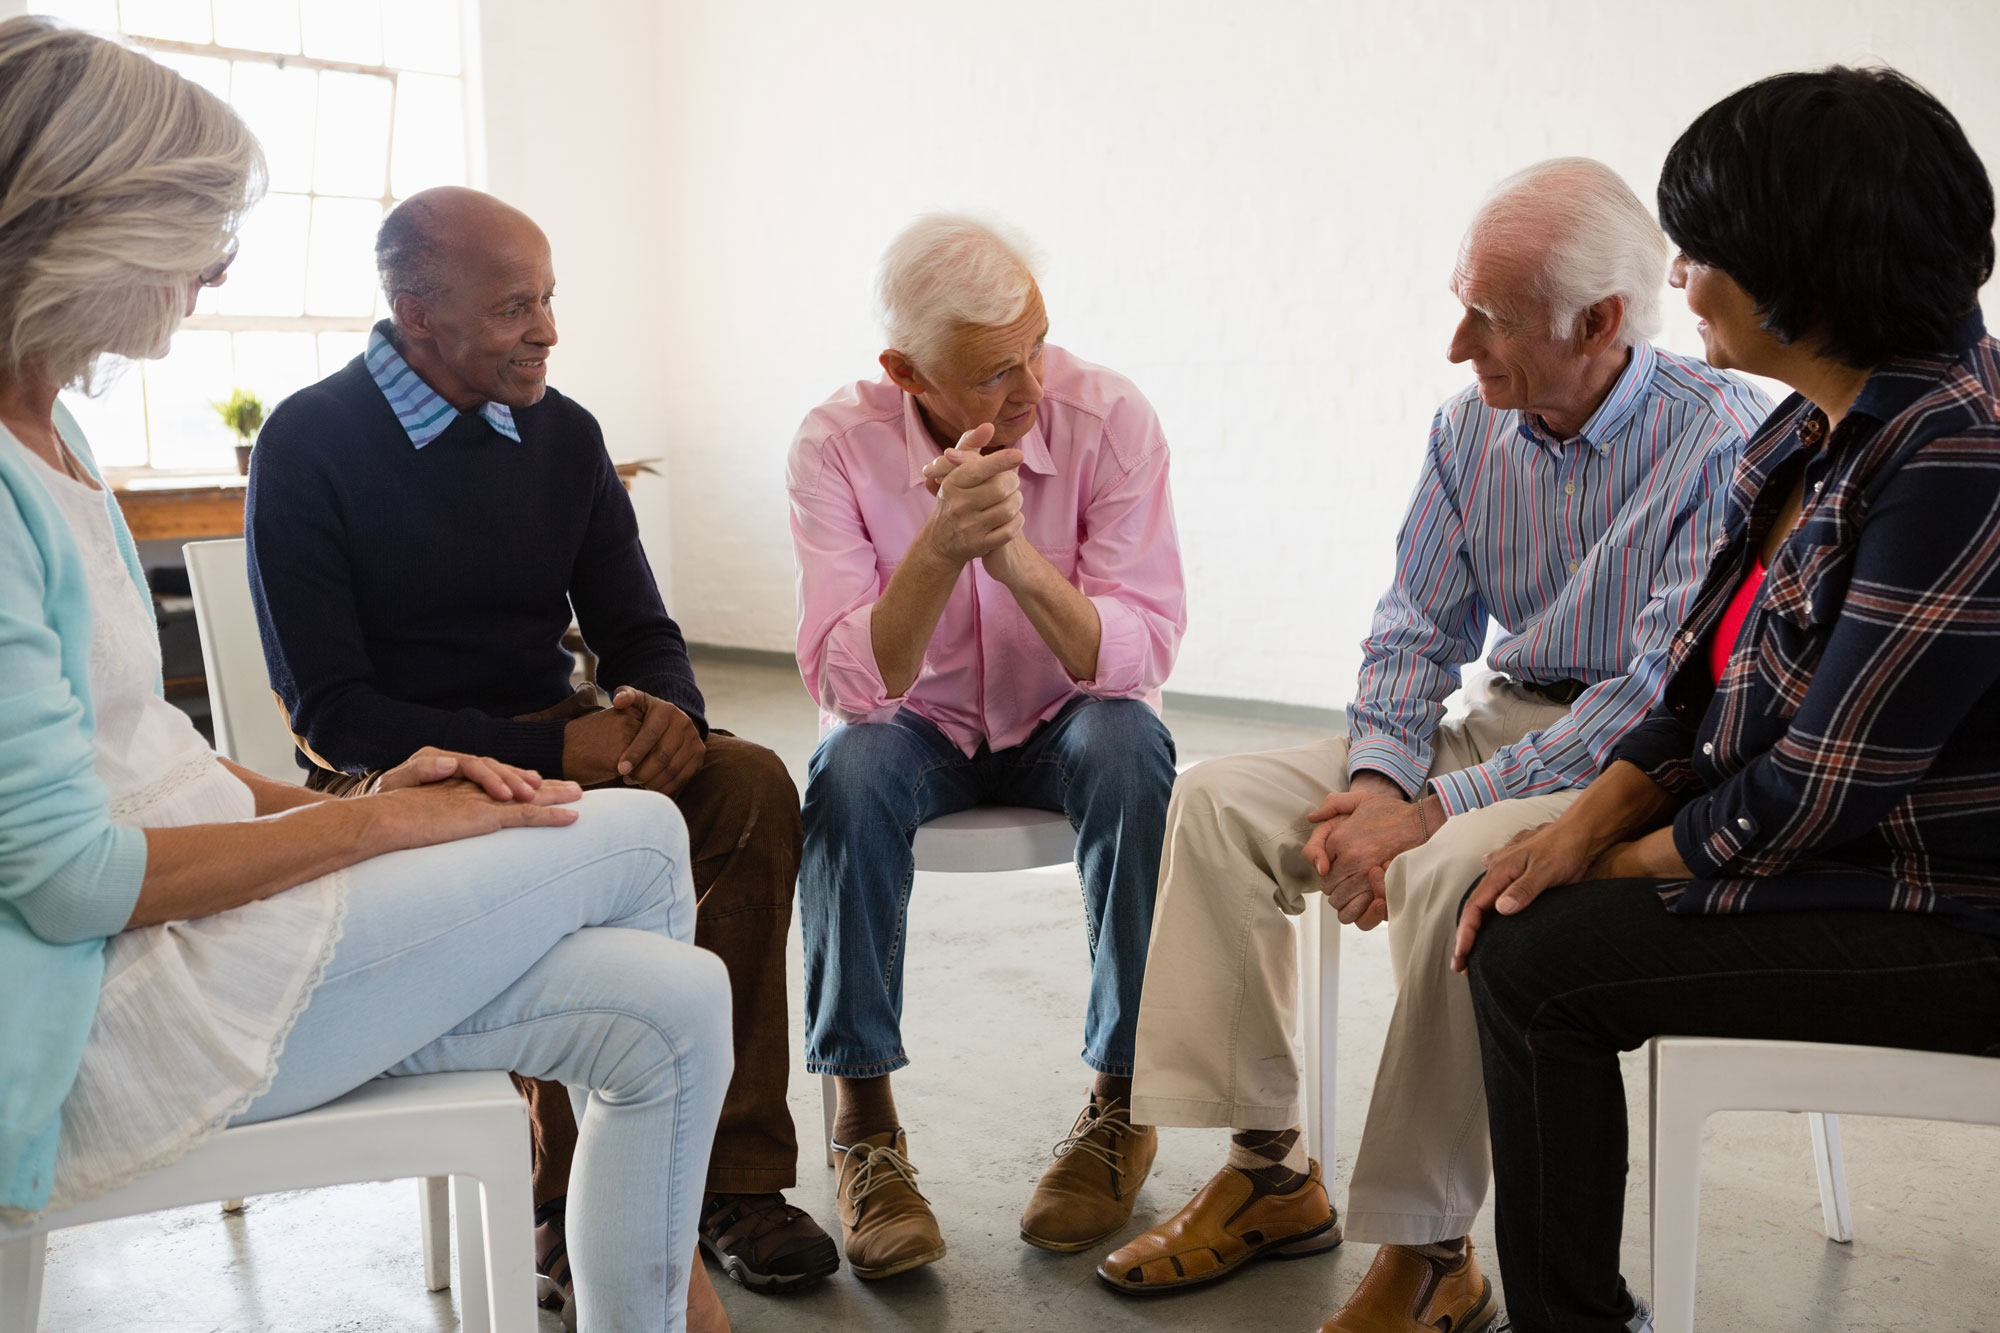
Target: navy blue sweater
[411, 597]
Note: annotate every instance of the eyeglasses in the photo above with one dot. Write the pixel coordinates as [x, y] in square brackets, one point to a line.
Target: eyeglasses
[213, 275]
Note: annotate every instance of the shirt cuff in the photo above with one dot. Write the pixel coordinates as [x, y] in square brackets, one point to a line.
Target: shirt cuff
[1467, 789]
[92, 895]
[1121, 651]
[850, 682]
[1389, 759]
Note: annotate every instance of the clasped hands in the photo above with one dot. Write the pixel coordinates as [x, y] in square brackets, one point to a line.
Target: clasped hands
[978, 511]
[1359, 832]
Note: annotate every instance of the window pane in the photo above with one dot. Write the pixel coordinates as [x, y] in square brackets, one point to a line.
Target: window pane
[257, 25]
[175, 20]
[280, 106]
[97, 15]
[348, 30]
[353, 140]
[341, 277]
[185, 430]
[430, 134]
[274, 365]
[209, 72]
[269, 275]
[422, 34]
[114, 422]
[337, 349]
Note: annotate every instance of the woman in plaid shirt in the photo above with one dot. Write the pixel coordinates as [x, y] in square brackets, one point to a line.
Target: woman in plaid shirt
[1803, 839]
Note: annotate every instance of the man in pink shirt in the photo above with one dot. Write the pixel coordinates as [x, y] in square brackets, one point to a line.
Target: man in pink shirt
[990, 598]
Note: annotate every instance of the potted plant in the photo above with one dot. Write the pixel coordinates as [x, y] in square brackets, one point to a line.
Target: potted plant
[243, 413]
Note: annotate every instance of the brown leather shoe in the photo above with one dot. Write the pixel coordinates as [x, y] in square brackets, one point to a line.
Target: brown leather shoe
[1222, 1228]
[887, 1225]
[1408, 1292]
[1088, 1193]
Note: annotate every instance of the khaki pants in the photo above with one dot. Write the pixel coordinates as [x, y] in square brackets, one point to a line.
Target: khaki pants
[1218, 1016]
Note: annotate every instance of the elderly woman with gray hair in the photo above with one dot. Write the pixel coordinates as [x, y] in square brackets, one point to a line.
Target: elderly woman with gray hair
[185, 945]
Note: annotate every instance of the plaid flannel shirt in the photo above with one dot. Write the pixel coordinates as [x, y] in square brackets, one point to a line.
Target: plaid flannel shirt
[1850, 755]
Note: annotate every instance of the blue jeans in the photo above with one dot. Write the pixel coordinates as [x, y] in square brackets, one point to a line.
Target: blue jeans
[560, 953]
[1106, 763]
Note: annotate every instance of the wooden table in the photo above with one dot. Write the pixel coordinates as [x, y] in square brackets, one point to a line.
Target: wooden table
[193, 507]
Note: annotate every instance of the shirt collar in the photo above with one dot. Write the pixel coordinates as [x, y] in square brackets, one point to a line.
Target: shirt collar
[920, 448]
[422, 410]
[1626, 393]
[1899, 383]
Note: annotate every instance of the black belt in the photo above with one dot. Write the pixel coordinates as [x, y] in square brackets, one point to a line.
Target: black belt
[1562, 692]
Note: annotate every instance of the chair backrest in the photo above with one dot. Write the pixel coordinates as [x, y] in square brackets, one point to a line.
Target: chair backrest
[991, 838]
[249, 727]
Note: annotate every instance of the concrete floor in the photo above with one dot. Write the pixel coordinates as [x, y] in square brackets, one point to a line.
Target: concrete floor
[993, 1020]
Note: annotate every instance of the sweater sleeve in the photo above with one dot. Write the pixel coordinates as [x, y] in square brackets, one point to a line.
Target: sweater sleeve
[617, 602]
[301, 581]
[65, 868]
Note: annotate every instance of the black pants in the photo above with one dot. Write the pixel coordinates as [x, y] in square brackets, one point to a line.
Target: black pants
[1595, 969]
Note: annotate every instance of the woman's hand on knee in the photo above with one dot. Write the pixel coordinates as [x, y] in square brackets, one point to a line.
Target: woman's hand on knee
[503, 782]
[436, 812]
[1517, 872]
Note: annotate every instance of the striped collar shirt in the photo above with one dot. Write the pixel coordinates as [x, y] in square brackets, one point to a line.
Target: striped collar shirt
[1586, 552]
[422, 410]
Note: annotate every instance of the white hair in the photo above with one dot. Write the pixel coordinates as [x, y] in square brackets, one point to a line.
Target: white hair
[946, 271]
[1593, 238]
[119, 182]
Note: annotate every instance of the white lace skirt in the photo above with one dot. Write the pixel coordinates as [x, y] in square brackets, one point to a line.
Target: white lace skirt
[194, 1014]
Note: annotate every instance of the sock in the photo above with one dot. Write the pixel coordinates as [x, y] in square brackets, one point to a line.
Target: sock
[867, 1108]
[1274, 1159]
[1445, 1251]
[1108, 1088]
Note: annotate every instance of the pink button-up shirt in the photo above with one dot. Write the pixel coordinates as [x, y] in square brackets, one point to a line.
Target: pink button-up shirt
[1094, 491]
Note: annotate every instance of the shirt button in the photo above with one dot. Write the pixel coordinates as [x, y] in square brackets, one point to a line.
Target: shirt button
[1572, 566]
[1743, 824]
[1818, 486]
[1708, 747]
[1808, 608]
[1570, 489]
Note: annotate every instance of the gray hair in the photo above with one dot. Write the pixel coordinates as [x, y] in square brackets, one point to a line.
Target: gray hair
[119, 182]
[946, 271]
[1594, 238]
[406, 252]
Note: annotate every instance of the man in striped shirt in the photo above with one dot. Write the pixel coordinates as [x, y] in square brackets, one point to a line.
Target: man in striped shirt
[1572, 496]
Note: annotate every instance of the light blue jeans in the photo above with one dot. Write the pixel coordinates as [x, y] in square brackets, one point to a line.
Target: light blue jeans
[560, 953]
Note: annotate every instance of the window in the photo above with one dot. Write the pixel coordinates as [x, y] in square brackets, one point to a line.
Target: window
[358, 103]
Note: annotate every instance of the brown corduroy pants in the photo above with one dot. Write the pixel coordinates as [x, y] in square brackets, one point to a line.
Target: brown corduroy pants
[742, 813]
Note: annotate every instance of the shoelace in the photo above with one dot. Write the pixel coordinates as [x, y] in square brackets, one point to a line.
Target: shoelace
[1088, 1121]
[882, 1166]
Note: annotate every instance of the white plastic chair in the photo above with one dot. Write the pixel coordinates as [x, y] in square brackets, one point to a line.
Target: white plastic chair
[249, 726]
[1319, 1007]
[471, 1128]
[250, 730]
[1694, 1077]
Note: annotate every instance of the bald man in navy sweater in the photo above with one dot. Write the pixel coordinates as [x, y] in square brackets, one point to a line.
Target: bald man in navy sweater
[421, 525]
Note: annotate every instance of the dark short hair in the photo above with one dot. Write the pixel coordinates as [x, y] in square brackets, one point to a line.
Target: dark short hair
[1846, 202]
[406, 252]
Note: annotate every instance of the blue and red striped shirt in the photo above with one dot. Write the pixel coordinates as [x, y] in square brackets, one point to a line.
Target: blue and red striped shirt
[1587, 553]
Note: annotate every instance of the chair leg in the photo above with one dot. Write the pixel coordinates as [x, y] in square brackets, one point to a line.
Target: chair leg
[1676, 1200]
[508, 1215]
[434, 1221]
[1832, 1170]
[1319, 1007]
[230, 1206]
[829, 1098]
[21, 1282]
[475, 1303]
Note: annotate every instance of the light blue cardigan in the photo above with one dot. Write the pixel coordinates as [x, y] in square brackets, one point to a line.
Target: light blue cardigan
[68, 877]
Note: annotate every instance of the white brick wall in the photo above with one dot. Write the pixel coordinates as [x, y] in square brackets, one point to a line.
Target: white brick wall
[1251, 209]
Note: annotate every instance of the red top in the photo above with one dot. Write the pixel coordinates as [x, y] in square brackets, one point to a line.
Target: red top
[1731, 628]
